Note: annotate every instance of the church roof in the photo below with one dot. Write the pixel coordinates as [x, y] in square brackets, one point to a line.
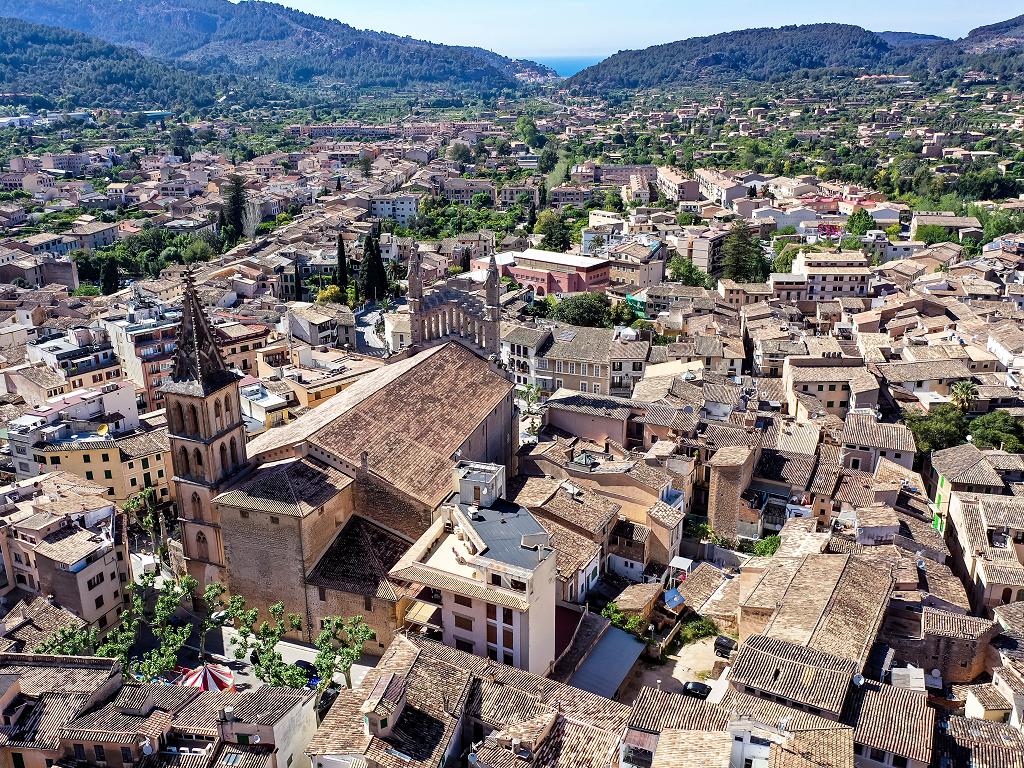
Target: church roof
[198, 367]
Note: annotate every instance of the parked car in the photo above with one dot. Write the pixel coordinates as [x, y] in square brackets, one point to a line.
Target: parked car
[697, 690]
[306, 666]
[724, 646]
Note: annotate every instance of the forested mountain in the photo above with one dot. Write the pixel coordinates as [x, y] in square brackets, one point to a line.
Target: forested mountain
[47, 66]
[910, 39]
[270, 40]
[756, 54]
[775, 54]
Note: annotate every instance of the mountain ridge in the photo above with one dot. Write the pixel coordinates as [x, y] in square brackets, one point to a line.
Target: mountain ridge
[270, 40]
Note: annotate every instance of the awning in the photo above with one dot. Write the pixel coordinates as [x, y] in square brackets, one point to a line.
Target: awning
[608, 664]
[424, 614]
[682, 563]
[673, 599]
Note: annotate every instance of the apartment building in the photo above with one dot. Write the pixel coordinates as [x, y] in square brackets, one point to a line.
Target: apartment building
[510, 194]
[461, 191]
[84, 355]
[639, 262]
[675, 186]
[719, 188]
[702, 246]
[239, 343]
[144, 336]
[833, 275]
[62, 539]
[568, 194]
[546, 272]
[399, 206]
[487, 574]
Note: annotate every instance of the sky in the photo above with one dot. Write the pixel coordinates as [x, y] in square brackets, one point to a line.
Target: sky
[550, 28]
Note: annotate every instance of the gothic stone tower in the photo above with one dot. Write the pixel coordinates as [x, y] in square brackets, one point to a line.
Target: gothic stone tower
[207, 436]
[454, 310]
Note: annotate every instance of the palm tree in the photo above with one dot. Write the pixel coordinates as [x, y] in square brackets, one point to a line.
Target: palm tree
[963, 394]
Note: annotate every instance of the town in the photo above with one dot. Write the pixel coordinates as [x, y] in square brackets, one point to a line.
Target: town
[557, 431]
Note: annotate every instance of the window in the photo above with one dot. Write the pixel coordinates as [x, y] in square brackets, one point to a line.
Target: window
[465, 645]
[101, 754]
[95, 581]
[88, 475]
[508, 639]
[492, 634]
[99, 601]
[463, 622]
[86, 458]
[275, 520]
[18, 759]
[322, 594]
[107, 475]
[383, 724]
[508, 659]
[492, 611]
[463, 600]
[899, 761]
[243, 739]
[506, 616]
[495, 581]
[79, 751]
[126, 755]
[878, 755]
[367, 603]
[638, 366]
[105, 457]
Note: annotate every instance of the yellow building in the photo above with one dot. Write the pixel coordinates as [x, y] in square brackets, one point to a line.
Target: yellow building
[122, 464]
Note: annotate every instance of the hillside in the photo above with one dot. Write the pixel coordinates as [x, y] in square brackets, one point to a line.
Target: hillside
[993, 37]
[49, 66]
[910, 39]
[756, 54]
[270, 40]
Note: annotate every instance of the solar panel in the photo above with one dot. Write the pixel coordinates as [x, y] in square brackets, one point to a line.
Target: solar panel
[566, 335]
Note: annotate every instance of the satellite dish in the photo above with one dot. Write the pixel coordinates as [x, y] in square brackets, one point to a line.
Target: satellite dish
[858, 680]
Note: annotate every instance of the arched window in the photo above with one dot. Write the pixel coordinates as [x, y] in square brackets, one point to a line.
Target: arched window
[1007, 595]
[223, 458]
[197, 461]
[178, 424]
[193, 420]
[227, 408]
[183, 460]
[197, 507]
[202, 546]
[234, 453]
[218, 415]
[1020, 595]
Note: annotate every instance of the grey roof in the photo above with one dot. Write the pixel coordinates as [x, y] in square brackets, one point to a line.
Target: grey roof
[609, 663]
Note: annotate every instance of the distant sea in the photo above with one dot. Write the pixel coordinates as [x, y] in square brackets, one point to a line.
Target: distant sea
[567, 66]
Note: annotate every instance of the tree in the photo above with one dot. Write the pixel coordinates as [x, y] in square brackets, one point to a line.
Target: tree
[531, 397]
[526, 130]
[998, 429]
[930, 234]
[460, 153]
[943, 427]
[767, 546]
[365, 165]
[547, 160]
[142, 507]
[218, 612]
[963, 394]
[70, 641]
[597, 242]
[330, 295]
[744, 260]
[686, 272]
[893, 232]
[259, 643]
[373, 278]
[339, 645]
[783, 262]
[251, 218]
[860, 222]
[622, 314]
[592, 310]
[557, 236]
[110, 279]
[234, 205]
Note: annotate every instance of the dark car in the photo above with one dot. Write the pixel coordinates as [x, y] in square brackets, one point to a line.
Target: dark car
[697, 690]
[306, 666]
[724, 646]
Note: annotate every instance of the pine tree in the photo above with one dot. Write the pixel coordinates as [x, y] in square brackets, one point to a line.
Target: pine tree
[234, 204]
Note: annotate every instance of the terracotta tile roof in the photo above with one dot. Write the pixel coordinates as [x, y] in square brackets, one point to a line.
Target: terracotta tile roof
[293, 487]
[955, 625]
[573, 551]
[871, 712]
[865, 429]
[697, 749]
[359, 560]
[443, 400]
[794, 672]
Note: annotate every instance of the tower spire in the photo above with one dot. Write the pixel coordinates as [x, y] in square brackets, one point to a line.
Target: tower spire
[197, 358]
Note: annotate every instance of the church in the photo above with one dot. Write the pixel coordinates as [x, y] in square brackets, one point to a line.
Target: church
[315, 513]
